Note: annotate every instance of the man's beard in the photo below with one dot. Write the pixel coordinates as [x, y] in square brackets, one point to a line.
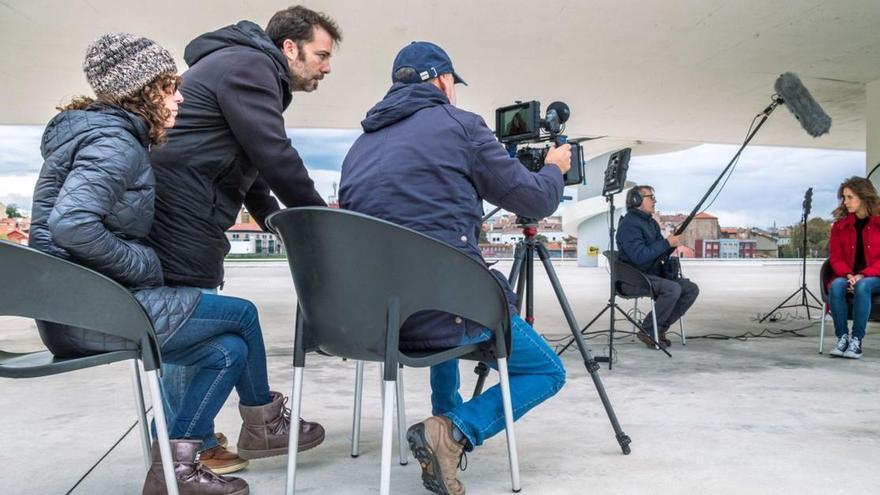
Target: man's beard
[306, 84]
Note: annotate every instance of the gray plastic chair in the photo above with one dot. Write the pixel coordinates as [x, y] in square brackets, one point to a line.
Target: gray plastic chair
[359, 278]
[54, 290]
[826, 275]
[639, 286]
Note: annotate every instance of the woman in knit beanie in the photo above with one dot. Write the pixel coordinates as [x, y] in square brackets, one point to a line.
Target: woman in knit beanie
[93, 205]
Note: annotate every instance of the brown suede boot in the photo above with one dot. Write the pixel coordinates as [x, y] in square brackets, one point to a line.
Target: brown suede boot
[192, 477]
[265, 430]
[439, 455]
[222, 461]
[664, 340]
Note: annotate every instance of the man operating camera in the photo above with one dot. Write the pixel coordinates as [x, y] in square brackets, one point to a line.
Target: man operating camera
[427, 165]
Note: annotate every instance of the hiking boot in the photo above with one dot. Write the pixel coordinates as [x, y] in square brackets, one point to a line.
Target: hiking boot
[192, 477]
[841, 346]
[854, 349]
[663, 340]
[439, 455]
[265, 430]
[644, 337]
[222, 461]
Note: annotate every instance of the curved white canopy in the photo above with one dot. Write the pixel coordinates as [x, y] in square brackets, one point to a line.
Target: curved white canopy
[663, 72]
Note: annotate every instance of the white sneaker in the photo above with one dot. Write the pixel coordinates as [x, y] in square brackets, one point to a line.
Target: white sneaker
[854, 350]
[841, 346]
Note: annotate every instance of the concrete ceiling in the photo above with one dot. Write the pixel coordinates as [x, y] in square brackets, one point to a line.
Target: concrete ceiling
[672, 73]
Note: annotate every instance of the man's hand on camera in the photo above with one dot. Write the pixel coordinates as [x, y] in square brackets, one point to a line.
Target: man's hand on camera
[559, 156]
[673, 240]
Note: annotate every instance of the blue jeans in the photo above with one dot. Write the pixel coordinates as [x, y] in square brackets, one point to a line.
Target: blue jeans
[535, 372]
[861, 302]
[220, 347]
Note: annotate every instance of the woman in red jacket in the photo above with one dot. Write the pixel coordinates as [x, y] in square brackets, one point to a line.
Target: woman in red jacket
[854, 254]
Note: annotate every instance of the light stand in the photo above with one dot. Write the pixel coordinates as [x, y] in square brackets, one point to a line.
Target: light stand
[802, 291]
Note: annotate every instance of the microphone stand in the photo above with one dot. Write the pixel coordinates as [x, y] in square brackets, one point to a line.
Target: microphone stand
[803, 290]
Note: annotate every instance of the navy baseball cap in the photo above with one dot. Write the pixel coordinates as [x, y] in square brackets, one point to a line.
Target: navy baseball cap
[428, 60]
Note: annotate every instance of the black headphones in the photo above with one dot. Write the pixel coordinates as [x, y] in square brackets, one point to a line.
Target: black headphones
[634, 197]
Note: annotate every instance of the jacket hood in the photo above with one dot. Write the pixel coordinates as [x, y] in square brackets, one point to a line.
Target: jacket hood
[401, 101]
[246, 34]
[69, 125]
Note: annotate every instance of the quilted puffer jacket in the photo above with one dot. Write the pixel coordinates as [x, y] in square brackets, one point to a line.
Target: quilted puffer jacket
[93, 204]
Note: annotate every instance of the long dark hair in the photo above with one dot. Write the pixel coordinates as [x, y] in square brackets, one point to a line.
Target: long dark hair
[864, 190]
[148, 103]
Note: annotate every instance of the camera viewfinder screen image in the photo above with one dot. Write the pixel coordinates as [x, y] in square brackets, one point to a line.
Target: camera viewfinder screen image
[516, 121]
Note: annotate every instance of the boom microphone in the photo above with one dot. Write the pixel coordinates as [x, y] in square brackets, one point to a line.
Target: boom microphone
[795, 96]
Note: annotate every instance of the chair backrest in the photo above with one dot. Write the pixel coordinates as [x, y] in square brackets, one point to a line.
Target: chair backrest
[44, 287]
[630, 275]
[348, 268]
[826, 274]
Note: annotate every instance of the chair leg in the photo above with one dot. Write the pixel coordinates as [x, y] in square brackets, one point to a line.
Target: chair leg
[822, 327]
[654, 318]
[508, 424]
[402, 446]
[387, 430]
[143, 426]
[162, 433]
[635, 317]
[356, 416]
[293, 439]
[684, 337]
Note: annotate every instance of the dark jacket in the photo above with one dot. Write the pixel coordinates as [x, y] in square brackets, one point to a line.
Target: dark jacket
[425, 164]
[93, 205]
[640, 241]
[228, 147]
[842, 246]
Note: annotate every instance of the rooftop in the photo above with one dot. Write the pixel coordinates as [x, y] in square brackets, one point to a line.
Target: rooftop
[761, 416]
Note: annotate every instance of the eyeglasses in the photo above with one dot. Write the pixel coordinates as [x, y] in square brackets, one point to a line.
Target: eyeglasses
[650, 196]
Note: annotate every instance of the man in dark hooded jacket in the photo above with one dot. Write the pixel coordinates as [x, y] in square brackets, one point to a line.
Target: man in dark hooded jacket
[425, 164]
[230, 147]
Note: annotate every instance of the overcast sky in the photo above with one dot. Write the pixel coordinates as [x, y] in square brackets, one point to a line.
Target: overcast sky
[767, 185]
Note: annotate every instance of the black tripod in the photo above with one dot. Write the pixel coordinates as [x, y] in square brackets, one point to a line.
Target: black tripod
[522, 276]
[802, 291]
[612, 302]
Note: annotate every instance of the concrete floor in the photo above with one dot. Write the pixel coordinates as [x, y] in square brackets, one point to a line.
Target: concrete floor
[722, 416]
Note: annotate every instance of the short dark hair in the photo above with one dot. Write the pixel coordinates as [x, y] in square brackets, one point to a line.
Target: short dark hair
[297, 24]
[405, 75]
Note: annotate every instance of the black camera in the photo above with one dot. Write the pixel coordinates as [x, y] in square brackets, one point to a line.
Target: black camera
[520, 124]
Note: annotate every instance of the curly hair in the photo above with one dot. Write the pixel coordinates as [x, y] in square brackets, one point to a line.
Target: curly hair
[148, 103]
[864, 190]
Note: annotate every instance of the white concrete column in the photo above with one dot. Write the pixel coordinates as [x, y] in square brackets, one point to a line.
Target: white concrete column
[592, 231]
[872, 118]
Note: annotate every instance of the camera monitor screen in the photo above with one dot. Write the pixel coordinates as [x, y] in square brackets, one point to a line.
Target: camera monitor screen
[518, 122]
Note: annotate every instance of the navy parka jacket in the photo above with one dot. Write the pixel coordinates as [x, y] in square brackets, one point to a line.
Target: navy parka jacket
[640, 241]
[427, 165]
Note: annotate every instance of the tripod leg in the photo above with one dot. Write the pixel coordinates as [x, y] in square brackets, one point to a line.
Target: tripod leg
[595, 318]
[530, 284]
[482, 372]
[589, 362]
[781, 305]
[516, 277]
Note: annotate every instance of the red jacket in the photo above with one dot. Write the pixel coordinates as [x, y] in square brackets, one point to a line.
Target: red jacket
[842, 246]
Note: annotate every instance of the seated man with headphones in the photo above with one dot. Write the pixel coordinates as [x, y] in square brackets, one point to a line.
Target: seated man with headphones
[641, 243]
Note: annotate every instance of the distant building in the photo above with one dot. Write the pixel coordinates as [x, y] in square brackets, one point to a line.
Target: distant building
[703, 226]
[249, 238]
[725, 248]
[504, 230]
[2, 211]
